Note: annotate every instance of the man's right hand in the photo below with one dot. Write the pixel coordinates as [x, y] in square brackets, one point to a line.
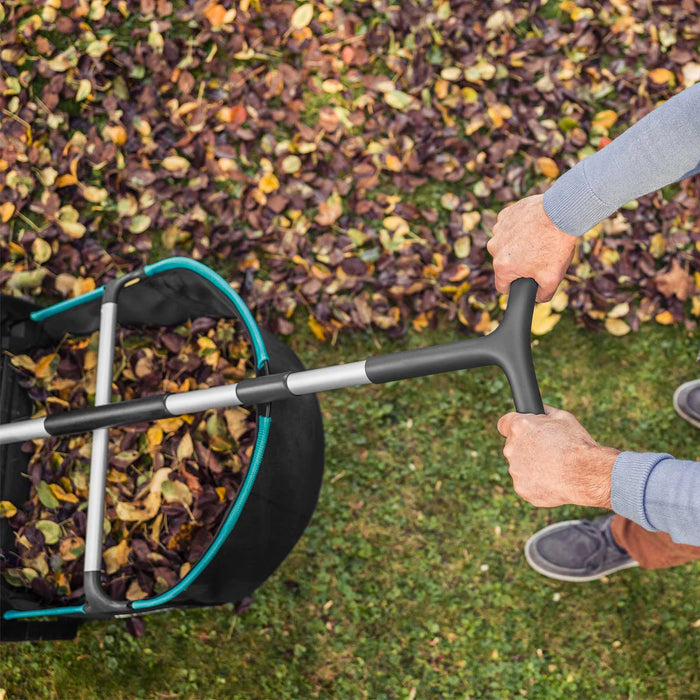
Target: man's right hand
[525, 243]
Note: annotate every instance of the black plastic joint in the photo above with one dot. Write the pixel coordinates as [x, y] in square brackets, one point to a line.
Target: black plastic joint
[112, 289]
[252, 392]
[98, 602]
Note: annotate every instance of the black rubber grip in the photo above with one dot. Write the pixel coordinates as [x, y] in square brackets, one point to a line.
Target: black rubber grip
[121, 413]
[261, 390]
[508, 347]
[432, 360]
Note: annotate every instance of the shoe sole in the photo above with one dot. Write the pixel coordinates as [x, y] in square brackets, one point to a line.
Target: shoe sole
[564, 577]
[679, 410]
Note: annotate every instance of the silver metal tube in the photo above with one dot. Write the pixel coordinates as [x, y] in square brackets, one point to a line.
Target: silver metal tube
[311, 381]
[100, 440]
[202, 399]
[22, 430]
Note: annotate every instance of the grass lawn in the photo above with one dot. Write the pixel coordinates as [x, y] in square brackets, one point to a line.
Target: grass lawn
[410, 581]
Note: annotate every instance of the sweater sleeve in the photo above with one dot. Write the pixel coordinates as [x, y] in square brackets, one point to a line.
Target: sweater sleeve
[661, 148]
[659, 493]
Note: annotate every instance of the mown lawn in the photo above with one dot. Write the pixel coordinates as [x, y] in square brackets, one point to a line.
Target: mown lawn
[410, 581]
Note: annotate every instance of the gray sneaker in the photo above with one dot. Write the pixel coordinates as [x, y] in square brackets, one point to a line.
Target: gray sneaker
[686, 401]
[577, 550]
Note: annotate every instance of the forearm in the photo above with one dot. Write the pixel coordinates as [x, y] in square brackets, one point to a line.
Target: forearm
[659, 493]
[662, 148]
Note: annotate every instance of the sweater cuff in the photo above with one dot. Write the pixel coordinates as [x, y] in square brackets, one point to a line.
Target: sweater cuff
[572, 205]
[628, 485]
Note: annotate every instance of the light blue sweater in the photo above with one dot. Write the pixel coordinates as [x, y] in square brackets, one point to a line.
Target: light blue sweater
[653, 489]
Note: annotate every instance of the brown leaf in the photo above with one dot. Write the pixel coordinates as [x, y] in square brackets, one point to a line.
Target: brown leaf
[675, 281]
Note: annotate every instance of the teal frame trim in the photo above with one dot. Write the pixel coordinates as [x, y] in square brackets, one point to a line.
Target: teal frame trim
[226, 528]
[258, 451]
[172, 264]
[68, 610]
[49, 311]
[220, 283]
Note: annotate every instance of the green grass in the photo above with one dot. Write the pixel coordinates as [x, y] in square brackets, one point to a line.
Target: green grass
[411, 574]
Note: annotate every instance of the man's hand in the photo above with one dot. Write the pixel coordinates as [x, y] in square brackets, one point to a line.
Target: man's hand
[525, 243]
[554, 461]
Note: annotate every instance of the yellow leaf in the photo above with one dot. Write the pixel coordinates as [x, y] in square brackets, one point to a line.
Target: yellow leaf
[395, 223]
[157, 480]
[83, 285]
[216, 14]
[449, 201]
[332, 85]
[7, 509]
[268, 183]
[317, 329]
[392, 163]
[605, 119]
[58, 491]
[691, 74]
[237, 421]
[695, 306]
[142, 126]
[559, 301]
[291, 164]
[329, 211]
[470, 219]
[185, 449]
[84, 88]
[462, 247]
[41, 250]
[657, 245]
[177, 492]
[484, 322]
[661, 76]
[420, 322]
[154, 436]
[498, 113]
[547, 167]
[170, 425]
[665, 318]
[451, 73]
[73, 228]
[135, 592]
[23, 361]
[138, 511]
[221, 493]
[619, 310]
[616, 326]
[470, 96]
[71, 548]
[543, 320]
[7, 209]
[302, 16]
[173, 163]
[116, 557]
[43, 366]
[94, 194]
[115, 133]
[441, 89]
[400, 100]
[205, 343]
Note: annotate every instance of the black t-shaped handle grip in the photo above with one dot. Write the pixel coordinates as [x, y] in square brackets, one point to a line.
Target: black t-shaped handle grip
[508, 347]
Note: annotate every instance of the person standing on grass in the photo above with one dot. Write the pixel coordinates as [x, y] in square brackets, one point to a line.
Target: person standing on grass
[553, 460]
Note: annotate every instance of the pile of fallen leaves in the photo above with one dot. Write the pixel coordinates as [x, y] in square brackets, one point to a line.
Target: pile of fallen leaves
[347, 159]
[169, 483]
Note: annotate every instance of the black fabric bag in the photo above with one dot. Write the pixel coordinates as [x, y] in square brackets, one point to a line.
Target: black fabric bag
[284, 494]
